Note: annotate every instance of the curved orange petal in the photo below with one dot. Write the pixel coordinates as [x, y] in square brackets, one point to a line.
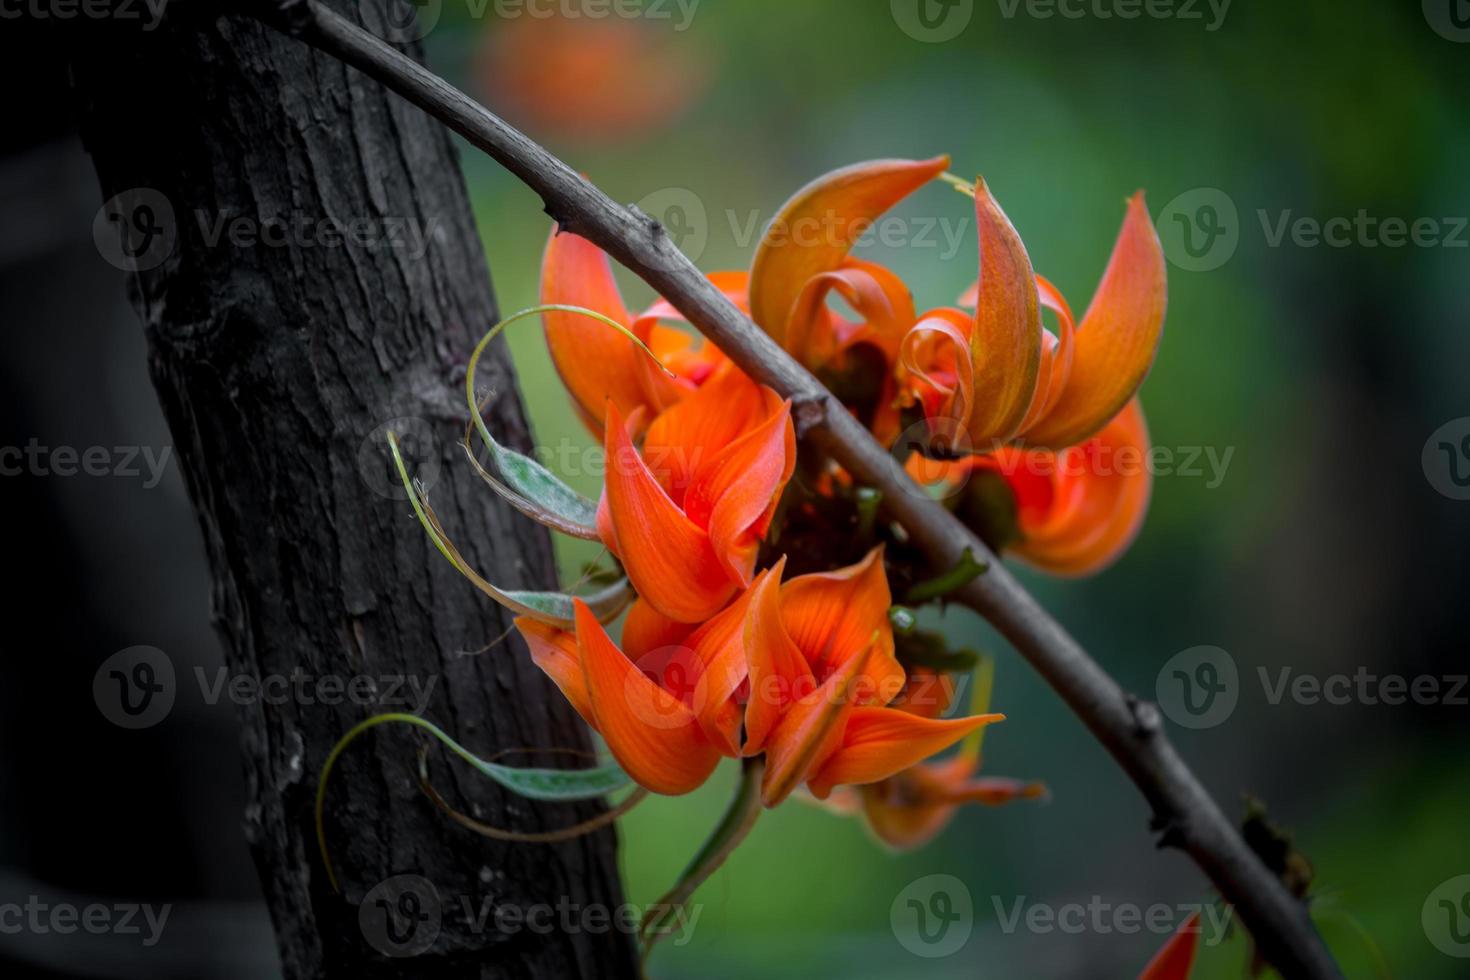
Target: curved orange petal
[778, 672]
[879, 742]
[909, 809]
[653, 735]
[831, 617]
[936, 352]
[677, 350]
[1175, 960]
[646, 630]
[595, 362]
[1117, 339]
[667, 557]
[737, 488]
[683, 439]
[813, 232]
[1085, 517]
[810, 730]
[882, 302]
[719, 648]
[1005, 344]
[555, 652]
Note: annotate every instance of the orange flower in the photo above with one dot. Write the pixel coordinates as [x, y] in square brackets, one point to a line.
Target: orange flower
[909, 808]
[1077, 511]
[984, 379]
[687, 527]
[664, 703]
[597, 364]
[820, 655]
[1175, 961]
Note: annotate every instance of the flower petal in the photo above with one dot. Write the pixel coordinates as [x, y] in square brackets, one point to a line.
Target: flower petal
[810, 730]
[595, 362]
[1005, 344]
[879, 742]
[653, 735]
[555, 652]
[688, 435]
[719, 648]
[831, 617]
[814, 231]
[1176, 959]
[778, 672]
[736, 491]
[1085, 516]
[1117, 338]
[668, 558]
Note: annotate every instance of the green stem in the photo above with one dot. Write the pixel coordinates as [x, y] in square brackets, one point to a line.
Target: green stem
[732, 829]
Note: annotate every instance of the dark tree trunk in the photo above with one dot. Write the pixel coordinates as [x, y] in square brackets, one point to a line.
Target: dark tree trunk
[278, 361]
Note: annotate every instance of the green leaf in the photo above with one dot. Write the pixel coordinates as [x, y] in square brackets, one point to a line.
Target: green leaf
[532, 488]
[553, 608]
[536, 784]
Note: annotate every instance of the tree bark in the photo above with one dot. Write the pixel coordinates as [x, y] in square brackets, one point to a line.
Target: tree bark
[279, 354]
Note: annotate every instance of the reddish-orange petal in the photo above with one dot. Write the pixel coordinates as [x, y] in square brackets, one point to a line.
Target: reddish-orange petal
[814, 231]
[738, 487]
[646, 630]
[668, 558]
[653, 735]
[831, 617]
[1005, 344]
[555, 652]
[1085, 516]
[1117, 339]
[778, 672]
[718, 647]
[595, 362]
[1175, 960]
[810, 730]
[879, 742]
[684, 439]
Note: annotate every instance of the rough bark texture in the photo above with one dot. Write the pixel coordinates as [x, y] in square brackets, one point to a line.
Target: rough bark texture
[277, 365]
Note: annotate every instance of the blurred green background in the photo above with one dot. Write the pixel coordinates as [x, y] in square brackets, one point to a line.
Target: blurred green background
[1323, 368]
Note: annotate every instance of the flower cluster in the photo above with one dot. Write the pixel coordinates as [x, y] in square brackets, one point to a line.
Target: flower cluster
[762, 621]
[756, 580]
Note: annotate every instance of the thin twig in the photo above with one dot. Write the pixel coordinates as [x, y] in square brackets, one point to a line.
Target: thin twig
[1130, 729]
